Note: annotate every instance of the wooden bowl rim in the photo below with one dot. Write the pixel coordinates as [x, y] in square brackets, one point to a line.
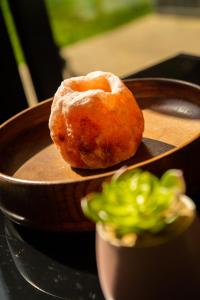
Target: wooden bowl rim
[109, 173]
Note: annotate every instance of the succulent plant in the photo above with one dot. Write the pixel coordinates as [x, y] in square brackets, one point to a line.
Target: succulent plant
[136, 202]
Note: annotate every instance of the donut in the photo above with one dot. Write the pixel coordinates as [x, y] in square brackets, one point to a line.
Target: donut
[95, 121]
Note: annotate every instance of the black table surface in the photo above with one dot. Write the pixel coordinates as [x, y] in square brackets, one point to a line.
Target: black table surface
[39, 265]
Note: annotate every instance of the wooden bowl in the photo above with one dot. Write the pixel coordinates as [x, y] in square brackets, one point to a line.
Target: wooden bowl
[39, 189]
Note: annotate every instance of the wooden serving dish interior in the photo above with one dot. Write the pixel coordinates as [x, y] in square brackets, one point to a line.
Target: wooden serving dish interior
[38, 188]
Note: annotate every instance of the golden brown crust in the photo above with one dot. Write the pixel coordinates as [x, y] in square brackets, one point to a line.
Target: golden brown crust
[95, 121]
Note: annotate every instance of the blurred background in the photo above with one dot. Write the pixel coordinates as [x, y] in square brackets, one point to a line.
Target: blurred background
[55, 39]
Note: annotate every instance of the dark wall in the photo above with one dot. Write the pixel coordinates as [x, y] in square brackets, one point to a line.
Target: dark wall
[12, 97]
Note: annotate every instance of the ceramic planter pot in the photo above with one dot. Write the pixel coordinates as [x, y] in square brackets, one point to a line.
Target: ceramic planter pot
[167, 269]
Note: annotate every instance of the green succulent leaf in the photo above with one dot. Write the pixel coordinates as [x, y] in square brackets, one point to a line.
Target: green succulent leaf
[173, 179]
[136, 201]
